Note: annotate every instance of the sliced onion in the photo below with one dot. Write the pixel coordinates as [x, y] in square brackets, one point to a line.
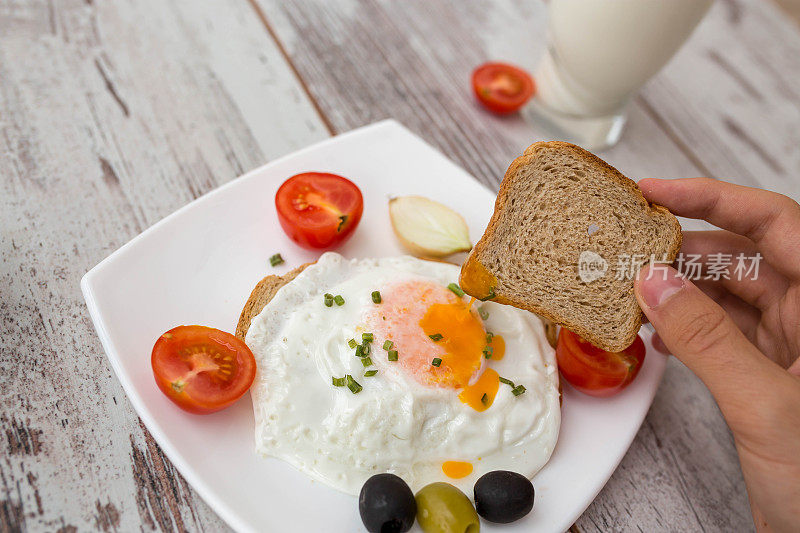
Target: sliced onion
[427, 228]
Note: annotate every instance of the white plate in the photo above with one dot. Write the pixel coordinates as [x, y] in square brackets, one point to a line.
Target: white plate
[198, 265]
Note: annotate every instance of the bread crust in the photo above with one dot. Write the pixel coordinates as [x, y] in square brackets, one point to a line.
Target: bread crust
[261, 295]
[473, 264]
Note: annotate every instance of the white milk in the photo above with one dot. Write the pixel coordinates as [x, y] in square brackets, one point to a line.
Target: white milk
[603, 51]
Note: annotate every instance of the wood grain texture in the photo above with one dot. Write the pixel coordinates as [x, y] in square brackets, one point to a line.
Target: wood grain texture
[113, 114]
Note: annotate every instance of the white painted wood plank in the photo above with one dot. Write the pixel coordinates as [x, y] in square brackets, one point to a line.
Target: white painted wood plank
[112, 115]
[733, 96]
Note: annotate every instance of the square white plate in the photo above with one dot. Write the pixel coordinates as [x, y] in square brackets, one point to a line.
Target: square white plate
[198, 265]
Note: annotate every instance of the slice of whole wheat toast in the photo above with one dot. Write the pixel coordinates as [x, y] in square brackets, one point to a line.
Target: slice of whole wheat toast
[568, 234]
[261, 295]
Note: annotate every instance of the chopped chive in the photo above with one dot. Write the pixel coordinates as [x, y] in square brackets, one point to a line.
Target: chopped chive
[353, 385]
[483, 312]
[338, 299]
[436, 337]
[376, 297]
[387, 344]
[490, 296]
[488, 352]
[360, 351]
[276, 260]
[352, 343]
[519, 389]
[436, 361]
[485, 399]
[365, 348]
[367, 337]
[366, 361]
[342, 220]
[392, 355]
[489, 337]
[507, 382]
[328, 299]
[456, 289]
[370, 373]
[338, 382]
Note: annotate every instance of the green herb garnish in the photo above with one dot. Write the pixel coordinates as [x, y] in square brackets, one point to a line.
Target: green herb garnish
[376, 297]
[328, 299]
[436, 337]
[507, 382]
[367, 337]
[352, 343]
[360, 351]
[487, 352]
[489, 337]
[276, 260]
[456, 289]
[485, 399]
[353, 385]
[490, 296]
[519, 389]
[338, 299]
[387, 344]
[366, 361]
[365, 348]
[483, 312]
[370, 373]
[392, 355]
[436, 361]
[338, 382]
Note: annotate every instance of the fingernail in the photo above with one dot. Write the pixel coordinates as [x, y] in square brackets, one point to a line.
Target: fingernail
[659, 284]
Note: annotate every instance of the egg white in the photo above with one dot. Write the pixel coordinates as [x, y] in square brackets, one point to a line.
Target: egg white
[395, 424]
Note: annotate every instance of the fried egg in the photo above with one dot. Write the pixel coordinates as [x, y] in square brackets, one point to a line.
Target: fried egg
[449, 389]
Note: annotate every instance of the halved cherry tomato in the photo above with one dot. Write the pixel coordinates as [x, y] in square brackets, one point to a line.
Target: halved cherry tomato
[502, 88]
[202, 369]
[594, 371]
[319, 210]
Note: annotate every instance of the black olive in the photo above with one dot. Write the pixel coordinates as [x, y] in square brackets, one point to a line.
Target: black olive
[387, 504]
[502, 496]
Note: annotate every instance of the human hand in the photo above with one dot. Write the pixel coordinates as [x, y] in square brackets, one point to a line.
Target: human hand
[741, 337]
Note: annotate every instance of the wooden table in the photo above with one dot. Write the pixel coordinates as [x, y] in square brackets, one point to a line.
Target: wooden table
[114, 114]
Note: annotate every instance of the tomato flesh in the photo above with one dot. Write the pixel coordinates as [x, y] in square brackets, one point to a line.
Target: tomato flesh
[502, 88]
[201, 369]
[594, 371]
[319, 210]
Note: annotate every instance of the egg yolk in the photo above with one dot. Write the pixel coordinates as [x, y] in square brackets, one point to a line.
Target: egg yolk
[498, 346]
[427, 323]
[456, 469]
[480, 395]
[462, 337]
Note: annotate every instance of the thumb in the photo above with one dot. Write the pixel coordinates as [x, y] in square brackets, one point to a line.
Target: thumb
[701, 334]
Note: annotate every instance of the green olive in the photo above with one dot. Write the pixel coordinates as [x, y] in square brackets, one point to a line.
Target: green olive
[442, 508]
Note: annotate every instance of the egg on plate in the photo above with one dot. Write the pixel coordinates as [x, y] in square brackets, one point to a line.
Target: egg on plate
[399, 374]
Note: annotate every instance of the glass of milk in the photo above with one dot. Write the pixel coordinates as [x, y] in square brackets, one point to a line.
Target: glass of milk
[600, 53]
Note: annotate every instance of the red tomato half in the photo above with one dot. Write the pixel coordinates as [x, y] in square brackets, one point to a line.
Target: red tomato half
[202, 369]
[502, 88]
[594, 371]
[318, 210]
